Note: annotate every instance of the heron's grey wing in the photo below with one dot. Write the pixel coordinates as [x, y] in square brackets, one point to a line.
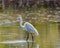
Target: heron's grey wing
[29, 27]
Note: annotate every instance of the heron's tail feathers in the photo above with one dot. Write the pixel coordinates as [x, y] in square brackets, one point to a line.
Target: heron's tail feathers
[36, 32]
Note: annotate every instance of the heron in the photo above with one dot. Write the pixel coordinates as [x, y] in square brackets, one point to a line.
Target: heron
[28, 27]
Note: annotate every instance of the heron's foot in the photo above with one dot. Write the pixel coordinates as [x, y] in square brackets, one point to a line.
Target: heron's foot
[26, 39]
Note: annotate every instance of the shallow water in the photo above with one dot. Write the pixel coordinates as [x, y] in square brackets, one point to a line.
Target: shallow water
[15, 37]
[12, 36]
[18, 43]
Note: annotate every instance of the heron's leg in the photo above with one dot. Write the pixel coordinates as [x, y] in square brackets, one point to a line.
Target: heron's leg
[27, 36]
[32, 37]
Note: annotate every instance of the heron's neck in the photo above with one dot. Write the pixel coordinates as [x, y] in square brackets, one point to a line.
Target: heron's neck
[21, 23]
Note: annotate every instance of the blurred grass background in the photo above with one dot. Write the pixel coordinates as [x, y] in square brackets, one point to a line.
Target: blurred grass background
[48, 30]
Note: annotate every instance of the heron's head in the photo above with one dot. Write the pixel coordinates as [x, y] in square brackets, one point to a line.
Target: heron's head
[19, 17]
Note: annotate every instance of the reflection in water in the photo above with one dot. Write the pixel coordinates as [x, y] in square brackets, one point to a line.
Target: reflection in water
[37, 46]
[32, 45]
[19, 44]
